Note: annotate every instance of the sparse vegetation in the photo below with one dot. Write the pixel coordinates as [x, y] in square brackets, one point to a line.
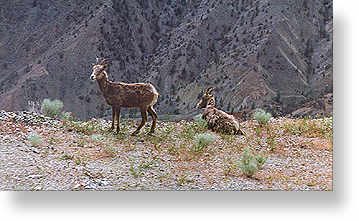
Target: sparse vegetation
[97, 138]
[203, 140]
[88, 127]
[51, 108]
[35, 139]
[66, 156]
[182, 180]
[67, 116]
[248, 164]
[34, 106]
[80, 161]
[260, 159]
[179, 151]
[311, 128]
[251, 163]
[199, 121]
[147, 164]
[110, 150]
[135, 172]
[262, 117]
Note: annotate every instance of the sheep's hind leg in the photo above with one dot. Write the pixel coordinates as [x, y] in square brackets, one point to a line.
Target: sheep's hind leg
[144, 119]
[154, 119]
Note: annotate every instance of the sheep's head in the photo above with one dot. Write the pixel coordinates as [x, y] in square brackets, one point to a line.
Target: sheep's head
[98, 70]
[207, 98]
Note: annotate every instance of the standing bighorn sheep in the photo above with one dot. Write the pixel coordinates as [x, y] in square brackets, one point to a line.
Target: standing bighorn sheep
[120, 94]
[217, 120]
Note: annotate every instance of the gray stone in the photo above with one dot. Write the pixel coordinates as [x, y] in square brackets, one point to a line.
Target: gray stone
[35, 150]
[35, 176]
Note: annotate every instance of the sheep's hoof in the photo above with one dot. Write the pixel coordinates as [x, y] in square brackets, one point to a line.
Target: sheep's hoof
[134, 133]
[241, 132]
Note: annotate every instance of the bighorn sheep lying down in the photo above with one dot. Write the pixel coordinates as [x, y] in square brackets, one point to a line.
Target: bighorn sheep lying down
[120, 94]
[217, 120]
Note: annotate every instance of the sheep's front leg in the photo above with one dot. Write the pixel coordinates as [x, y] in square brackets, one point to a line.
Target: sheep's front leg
[113, 118]
[118, 113]
[144, 119]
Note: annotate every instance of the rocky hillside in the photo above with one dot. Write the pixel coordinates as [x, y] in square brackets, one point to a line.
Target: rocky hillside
[272, 54]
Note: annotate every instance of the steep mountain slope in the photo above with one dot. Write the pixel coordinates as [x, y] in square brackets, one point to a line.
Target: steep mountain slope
[272, 54]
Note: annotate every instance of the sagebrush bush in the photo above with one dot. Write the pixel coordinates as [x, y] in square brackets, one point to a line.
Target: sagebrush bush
[51, 108]
[110, 150]
[34, 139]
[199, 121]
[248, 163]
[260, 159]
[203, 140]
[34, 106]
[328, 124]
[97, 137]
[66, 157]
[251, 163]
[67, 116]
[261, 116]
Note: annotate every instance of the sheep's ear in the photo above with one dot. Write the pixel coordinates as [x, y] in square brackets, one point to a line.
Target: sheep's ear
[104, 66]
[104, 60]
[97, 60]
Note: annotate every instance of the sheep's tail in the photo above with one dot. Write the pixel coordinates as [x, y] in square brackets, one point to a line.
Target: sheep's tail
[156, 95]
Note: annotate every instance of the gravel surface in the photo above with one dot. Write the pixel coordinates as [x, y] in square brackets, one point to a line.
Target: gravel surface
[63, 162]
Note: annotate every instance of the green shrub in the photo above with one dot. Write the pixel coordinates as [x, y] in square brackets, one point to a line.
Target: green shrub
[51, 108]
[251, 163]
[203, 140]
[66, 157]
[35, 139]
[328, 127]
[97, 137]
[261, 116]
[110, 150]
[260, 159]
[271, 143]
[199, 121]
[248, 164]
[67, 116]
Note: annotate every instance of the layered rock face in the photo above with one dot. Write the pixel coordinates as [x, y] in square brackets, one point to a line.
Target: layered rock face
[272, 54]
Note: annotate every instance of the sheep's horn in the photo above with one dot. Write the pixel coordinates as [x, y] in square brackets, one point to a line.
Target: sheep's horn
[210, 89]
[104, 60]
